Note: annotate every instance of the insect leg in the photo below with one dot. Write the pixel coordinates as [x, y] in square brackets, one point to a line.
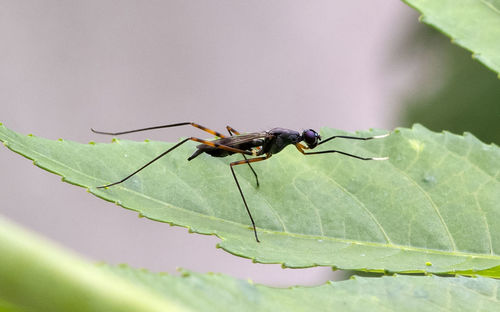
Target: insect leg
[301, 149]
[220, 135]
[231, 130]
[247, 161]
[224, 147]
[149, 163]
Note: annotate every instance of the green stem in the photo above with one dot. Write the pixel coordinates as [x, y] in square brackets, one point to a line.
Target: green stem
[37, 275]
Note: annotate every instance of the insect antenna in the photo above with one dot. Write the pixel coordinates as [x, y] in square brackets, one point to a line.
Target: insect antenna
[353, 138]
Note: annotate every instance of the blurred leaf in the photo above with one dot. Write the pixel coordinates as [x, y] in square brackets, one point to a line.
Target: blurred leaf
[216, 292]
[452, 92]
[42, 277]
[7, 307]
[433, 207]
[472, 24]
[36, 275]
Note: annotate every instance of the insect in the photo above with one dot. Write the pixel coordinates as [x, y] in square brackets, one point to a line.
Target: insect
[260, 145]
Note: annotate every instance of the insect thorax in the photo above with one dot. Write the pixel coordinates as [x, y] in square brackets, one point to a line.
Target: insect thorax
[279, 138]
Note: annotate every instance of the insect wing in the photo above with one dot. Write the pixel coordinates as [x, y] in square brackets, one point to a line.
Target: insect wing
[244, 141]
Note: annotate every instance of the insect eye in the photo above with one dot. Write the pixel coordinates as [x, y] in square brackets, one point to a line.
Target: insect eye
[310, 137]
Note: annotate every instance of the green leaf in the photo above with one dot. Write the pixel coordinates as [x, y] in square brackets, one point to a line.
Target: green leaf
[7, 307]
[472, 24]
[462, 81]
[36, 275]
[216, 292]
[433, 207]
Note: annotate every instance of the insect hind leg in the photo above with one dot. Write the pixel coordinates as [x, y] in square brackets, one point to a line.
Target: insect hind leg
[147, 164]
[209, 143]
[232, 131]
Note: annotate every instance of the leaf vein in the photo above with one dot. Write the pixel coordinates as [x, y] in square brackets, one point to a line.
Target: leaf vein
[433, 204]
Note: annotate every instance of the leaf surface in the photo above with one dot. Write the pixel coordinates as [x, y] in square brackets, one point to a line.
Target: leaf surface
[29, 263]
[433, 207]
[216, 292]
[472, 24]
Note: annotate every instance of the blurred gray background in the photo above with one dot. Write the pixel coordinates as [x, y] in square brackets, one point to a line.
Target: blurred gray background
[66, 66]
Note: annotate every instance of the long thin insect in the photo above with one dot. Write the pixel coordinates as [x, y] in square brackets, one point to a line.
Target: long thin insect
[231, 144]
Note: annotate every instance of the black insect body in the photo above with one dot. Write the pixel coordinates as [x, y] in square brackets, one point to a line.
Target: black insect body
[260, 145]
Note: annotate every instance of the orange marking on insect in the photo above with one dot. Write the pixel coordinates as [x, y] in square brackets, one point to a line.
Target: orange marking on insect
[208, 130]
[300, 147]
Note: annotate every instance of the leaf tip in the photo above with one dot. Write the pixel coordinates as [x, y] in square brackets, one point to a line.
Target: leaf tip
[60, 140]
[91, 143]
[428, 263]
